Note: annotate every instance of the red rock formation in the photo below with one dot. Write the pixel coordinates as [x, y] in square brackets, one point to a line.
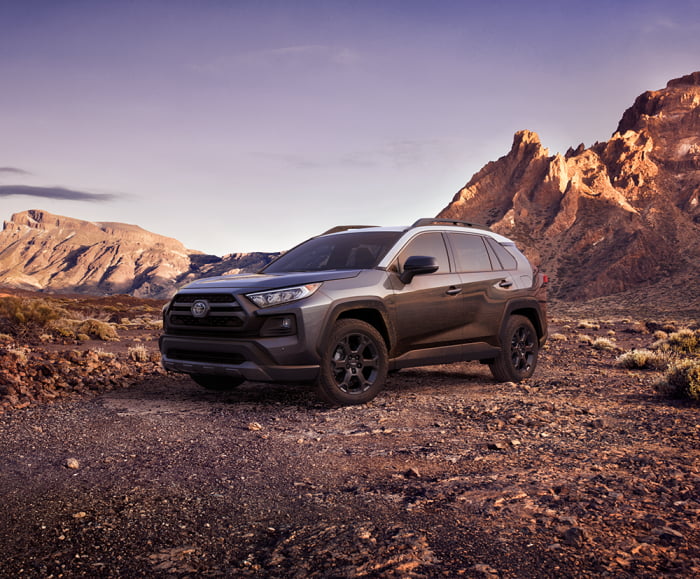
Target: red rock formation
[42, 251]
[612, 217]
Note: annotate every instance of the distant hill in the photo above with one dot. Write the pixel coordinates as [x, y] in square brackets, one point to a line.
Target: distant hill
[620, 215]
[46, 252]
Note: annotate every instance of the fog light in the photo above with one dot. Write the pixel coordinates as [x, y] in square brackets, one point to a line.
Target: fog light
[279, 326]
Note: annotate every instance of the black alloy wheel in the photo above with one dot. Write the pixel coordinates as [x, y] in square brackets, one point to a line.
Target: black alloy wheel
[519, 351]
[354, 364]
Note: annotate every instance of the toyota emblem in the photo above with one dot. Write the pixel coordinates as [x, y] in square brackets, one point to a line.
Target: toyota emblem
[200, 308]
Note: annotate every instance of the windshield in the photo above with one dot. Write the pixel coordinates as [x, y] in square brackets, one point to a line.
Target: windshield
[361, 250]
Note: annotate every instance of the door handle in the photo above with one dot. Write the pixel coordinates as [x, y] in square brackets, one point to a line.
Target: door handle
[505, 283]
[453, 291]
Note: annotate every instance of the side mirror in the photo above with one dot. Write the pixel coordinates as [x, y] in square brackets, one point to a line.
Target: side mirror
[418, 265]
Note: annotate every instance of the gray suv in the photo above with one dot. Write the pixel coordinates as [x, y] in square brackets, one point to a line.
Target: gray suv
[343, 309]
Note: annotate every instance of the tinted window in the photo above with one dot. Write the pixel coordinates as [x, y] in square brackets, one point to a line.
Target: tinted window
[506, 259]
[361, 250]
[470, 252]
[428, 244]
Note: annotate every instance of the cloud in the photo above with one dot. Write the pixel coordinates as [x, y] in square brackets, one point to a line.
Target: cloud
[14, 171]
[405, 153]
[54, 193]
[298, 57]
[298, 161]
[313, 52]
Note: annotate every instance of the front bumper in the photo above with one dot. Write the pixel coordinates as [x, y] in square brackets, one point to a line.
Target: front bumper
[236, 358]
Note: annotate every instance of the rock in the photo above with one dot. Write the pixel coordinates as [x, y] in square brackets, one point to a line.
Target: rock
[39, 250]
[574, 537]
[668, 535]
[601, 220]
[72, 463]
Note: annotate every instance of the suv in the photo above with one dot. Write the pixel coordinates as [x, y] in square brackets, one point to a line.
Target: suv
[345, 308]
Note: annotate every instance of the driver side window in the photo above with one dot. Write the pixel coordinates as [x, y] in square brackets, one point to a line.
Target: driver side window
[429, 244]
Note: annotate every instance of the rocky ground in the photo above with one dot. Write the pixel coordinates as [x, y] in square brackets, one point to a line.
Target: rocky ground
[110, 468]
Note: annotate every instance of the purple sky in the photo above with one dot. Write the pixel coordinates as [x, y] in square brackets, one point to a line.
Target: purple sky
[244, 126]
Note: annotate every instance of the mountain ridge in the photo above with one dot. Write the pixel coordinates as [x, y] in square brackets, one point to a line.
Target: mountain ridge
[47, 252]
[618, 216]
[603, 219]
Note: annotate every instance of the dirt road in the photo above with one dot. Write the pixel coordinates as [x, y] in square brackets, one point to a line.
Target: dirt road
[583, 471]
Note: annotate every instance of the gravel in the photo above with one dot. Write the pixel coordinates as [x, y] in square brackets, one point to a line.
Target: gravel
[581, 471]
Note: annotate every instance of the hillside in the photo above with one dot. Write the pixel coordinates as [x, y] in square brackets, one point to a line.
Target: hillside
[42, 251]
[619, 216]
[616, 216]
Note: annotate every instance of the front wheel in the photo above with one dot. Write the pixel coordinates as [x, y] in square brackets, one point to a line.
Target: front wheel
[519, 351]
[354, 364]
[216, 382]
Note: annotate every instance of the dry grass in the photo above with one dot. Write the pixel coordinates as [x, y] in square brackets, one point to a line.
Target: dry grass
[138, 353]
[604, 344]
[682, 380]
[97, 329]
[642, 360]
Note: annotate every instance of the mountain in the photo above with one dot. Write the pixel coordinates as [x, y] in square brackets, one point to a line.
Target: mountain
[42, 251]
[620, 215]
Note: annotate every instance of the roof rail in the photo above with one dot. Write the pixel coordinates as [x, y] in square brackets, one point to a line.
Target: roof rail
[339, 228]
[432, 221]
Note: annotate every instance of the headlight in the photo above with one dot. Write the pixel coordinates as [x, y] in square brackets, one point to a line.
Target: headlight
[282, 296]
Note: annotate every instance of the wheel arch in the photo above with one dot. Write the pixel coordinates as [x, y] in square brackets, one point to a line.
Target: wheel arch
[372, 312]
[531, 311]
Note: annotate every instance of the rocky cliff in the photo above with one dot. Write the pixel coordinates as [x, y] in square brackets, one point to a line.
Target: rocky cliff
[619, 215]
[42, 251]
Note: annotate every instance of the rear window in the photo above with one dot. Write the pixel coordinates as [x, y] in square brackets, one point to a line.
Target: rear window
[504, 256]
[360, 250]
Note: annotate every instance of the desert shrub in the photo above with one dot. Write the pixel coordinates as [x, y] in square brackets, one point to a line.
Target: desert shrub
[584, 339]
[102, 355]
[138, 353]
[685, 341]
[642, 360]
[24, 312]
[604, 344]
[681, 342]
[97, 329]
[682, 380]
[6, 339]
[588, 325]
[635, 327]
[555, 337]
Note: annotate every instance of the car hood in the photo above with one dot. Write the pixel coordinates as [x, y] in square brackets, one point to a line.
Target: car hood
[261, 281]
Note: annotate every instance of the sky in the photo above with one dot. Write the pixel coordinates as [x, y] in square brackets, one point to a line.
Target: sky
[237, 126]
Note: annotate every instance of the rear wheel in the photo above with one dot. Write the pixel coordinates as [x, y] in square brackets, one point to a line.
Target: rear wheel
[519, 351]
[354, 364]
[216, 382]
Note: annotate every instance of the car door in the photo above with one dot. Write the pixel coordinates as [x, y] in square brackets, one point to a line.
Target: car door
[485, 285]
[428, 311]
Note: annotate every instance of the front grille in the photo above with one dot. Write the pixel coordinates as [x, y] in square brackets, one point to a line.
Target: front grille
[207, 357]
[208, 322]
[211, 298]
[225, 313]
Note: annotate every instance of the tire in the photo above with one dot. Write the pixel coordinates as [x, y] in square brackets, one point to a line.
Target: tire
[519, 351]
[353, 365]
[216, 382]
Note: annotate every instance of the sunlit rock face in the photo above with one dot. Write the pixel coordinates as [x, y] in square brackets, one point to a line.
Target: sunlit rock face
[42, 251]
[615, 216]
